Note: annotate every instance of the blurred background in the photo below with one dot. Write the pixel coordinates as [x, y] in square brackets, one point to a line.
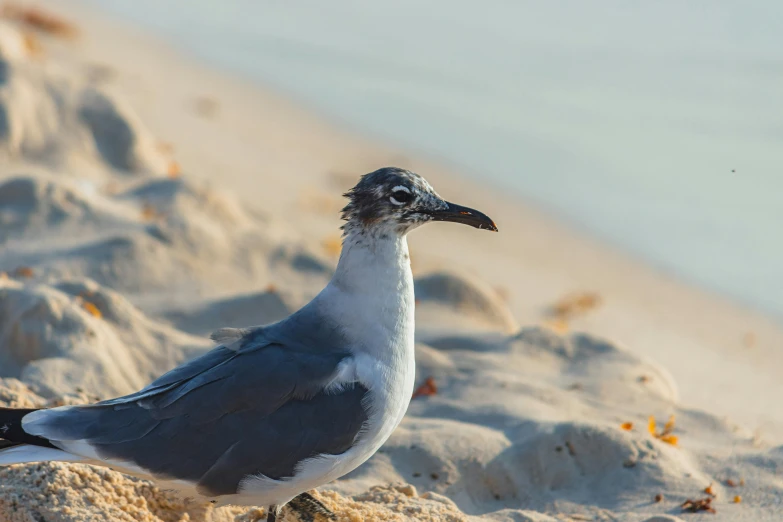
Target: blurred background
[657, 126]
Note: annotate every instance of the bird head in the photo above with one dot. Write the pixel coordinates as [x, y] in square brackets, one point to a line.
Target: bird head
[394, 200]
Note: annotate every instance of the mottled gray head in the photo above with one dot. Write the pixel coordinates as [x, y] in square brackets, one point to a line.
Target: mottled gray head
[398, 200]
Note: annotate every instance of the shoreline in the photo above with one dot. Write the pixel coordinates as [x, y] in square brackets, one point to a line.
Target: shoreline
[375, 142]
[600, 188]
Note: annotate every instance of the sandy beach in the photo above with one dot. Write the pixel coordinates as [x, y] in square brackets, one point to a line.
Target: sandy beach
[147, 199]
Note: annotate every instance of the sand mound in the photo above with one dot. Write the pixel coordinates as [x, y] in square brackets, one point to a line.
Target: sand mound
[158, 235]
[41, 205]
[455, 301]
[59, 492]
[241, 311]
[70, 210]
[51, 117]
[79, 335]
[499, 435]
[591, 465]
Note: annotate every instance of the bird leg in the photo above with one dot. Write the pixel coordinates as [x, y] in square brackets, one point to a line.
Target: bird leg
[271, 513]
[307, 507]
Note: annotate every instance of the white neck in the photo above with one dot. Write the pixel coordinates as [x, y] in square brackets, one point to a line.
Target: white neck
[372, 291]
[372, 263]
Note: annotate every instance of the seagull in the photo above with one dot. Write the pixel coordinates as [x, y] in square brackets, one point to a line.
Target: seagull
[272, 411]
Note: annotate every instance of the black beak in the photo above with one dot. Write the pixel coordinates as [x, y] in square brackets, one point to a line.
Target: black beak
[464, 215]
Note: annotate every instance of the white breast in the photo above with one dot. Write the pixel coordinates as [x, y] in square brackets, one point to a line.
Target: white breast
[390, 387]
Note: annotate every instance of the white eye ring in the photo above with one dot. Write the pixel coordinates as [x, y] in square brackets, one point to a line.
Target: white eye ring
[399, 188]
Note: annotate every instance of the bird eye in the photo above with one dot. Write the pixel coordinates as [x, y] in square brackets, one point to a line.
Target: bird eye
[401, 196]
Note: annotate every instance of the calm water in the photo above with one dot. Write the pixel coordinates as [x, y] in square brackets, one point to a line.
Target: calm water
[658, 126]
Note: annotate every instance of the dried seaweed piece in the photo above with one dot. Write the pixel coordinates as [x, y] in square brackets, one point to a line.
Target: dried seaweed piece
[651, 427]
[425, 390]
[148, 212]
[557, 325]
[173, 170]
[710, 490]
[658, 497]
[32, 44]
[39, 19]
[569, 307]
[23, 271]
[697, 506]
[575, 304]
[92, 309]
[664, 435]
[669, 439]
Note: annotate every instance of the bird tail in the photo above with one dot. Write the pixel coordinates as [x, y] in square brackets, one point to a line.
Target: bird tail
[18, 446]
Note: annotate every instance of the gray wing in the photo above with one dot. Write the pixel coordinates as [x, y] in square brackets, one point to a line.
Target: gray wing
[223, 416]
[185, 372]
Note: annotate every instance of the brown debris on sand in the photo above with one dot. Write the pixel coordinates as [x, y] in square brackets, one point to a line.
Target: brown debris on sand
[425, 390]
[697, 506]
[574, 305]
[39, 19]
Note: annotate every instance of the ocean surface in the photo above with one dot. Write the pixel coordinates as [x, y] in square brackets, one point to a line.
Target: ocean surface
[656, 126]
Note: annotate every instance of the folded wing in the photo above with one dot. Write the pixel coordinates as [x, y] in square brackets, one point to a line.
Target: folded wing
[223, 416]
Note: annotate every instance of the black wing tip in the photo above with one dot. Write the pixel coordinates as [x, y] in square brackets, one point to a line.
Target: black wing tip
[12, 433]
[5, 444]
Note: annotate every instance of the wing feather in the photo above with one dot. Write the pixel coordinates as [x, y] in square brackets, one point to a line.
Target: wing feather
[261, 409]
